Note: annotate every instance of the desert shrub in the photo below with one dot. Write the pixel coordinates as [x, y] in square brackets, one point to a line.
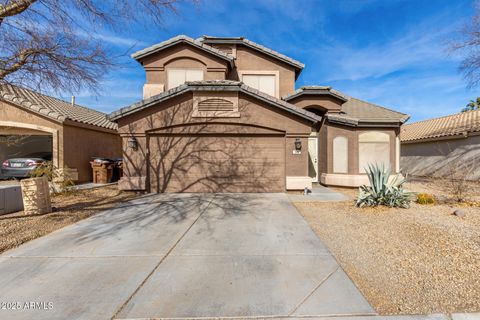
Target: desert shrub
[59, 182]
[426, 198]
[382, 190]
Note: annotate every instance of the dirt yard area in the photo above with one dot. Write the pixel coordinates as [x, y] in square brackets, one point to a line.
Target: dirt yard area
[18, 228]
[405, 261]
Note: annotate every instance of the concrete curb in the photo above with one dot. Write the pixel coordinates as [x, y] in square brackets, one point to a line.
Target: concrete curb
[434, 316]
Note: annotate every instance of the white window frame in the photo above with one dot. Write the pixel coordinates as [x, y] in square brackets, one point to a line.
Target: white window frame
[182, 69]
[275, 73]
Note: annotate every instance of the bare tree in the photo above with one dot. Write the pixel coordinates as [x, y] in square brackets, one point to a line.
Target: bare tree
[468, 46]
[51, 44]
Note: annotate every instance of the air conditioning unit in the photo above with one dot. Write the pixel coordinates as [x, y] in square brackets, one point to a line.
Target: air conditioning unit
[10, 199]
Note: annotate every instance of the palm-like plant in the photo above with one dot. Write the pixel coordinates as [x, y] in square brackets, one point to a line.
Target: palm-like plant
[472, 105]
[383, 190]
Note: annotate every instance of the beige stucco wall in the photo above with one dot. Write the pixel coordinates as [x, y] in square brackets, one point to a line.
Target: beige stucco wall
[327, 134]
[214, 68]
[323, 149]
[182, 56]
[353, 177]
[84, 143]
[442, 158]
[296, 164]
[249, 59]
[255, 117]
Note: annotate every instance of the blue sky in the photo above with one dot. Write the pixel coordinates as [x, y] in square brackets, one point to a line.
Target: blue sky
[390, 52]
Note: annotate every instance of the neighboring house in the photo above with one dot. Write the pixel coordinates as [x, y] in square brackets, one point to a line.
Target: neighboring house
[33, 123]
[222, 114]
[447, 146]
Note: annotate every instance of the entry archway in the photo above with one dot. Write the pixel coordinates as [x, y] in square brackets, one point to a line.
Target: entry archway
[317, 109]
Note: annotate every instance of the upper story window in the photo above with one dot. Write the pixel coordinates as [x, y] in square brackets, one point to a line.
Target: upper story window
[264, 81]
[177, 77]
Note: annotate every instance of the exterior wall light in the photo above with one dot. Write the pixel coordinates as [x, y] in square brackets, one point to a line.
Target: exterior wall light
[298, 144]
[132, 143]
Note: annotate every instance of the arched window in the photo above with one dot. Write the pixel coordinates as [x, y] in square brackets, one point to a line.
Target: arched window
[373, 147]
[340, 155]
[183, 69]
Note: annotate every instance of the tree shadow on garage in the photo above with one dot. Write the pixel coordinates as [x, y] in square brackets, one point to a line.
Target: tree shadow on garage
[193, 154]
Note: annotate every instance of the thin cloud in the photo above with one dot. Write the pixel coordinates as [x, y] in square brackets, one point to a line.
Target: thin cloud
[119, 41]
[412, 50]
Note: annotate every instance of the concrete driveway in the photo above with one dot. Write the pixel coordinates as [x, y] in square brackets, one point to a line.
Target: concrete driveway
[180, 255]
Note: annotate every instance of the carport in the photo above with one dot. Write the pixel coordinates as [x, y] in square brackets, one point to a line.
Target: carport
[68, 134]
[18, 143]
[25, 146]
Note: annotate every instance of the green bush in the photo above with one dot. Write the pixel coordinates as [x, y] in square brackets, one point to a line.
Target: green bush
[425, 198]
[381, 191]
[59, 182]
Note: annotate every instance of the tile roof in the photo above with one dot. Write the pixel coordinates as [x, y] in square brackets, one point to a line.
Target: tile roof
[213, 85]
[182, 39]
[53, 108]
[367, 112]
[453, 125]
[241, 40]
[354, 112]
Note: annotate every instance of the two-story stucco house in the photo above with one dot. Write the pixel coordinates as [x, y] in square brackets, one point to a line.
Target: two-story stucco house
[222, 115]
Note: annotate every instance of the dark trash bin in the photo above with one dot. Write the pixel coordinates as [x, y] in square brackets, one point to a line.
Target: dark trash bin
[117, 169]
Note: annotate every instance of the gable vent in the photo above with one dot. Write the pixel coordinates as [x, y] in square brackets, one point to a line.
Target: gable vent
[215, 105]
[224, 49]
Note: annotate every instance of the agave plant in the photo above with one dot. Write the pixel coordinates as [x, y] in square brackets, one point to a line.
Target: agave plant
[383, 190]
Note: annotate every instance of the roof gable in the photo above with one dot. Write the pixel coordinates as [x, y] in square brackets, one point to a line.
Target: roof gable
[178, 40]
[354, 112]
[214, 85]
[53, 108]
[316, 90]
[253, 45]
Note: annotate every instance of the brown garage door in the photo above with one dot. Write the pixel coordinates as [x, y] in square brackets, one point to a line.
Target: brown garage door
[206, 163]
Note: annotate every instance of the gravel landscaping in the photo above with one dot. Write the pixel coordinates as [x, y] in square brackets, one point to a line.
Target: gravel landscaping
[18, 228]
[406, 261]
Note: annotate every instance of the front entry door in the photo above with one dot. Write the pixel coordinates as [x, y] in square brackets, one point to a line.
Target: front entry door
[313, 158]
